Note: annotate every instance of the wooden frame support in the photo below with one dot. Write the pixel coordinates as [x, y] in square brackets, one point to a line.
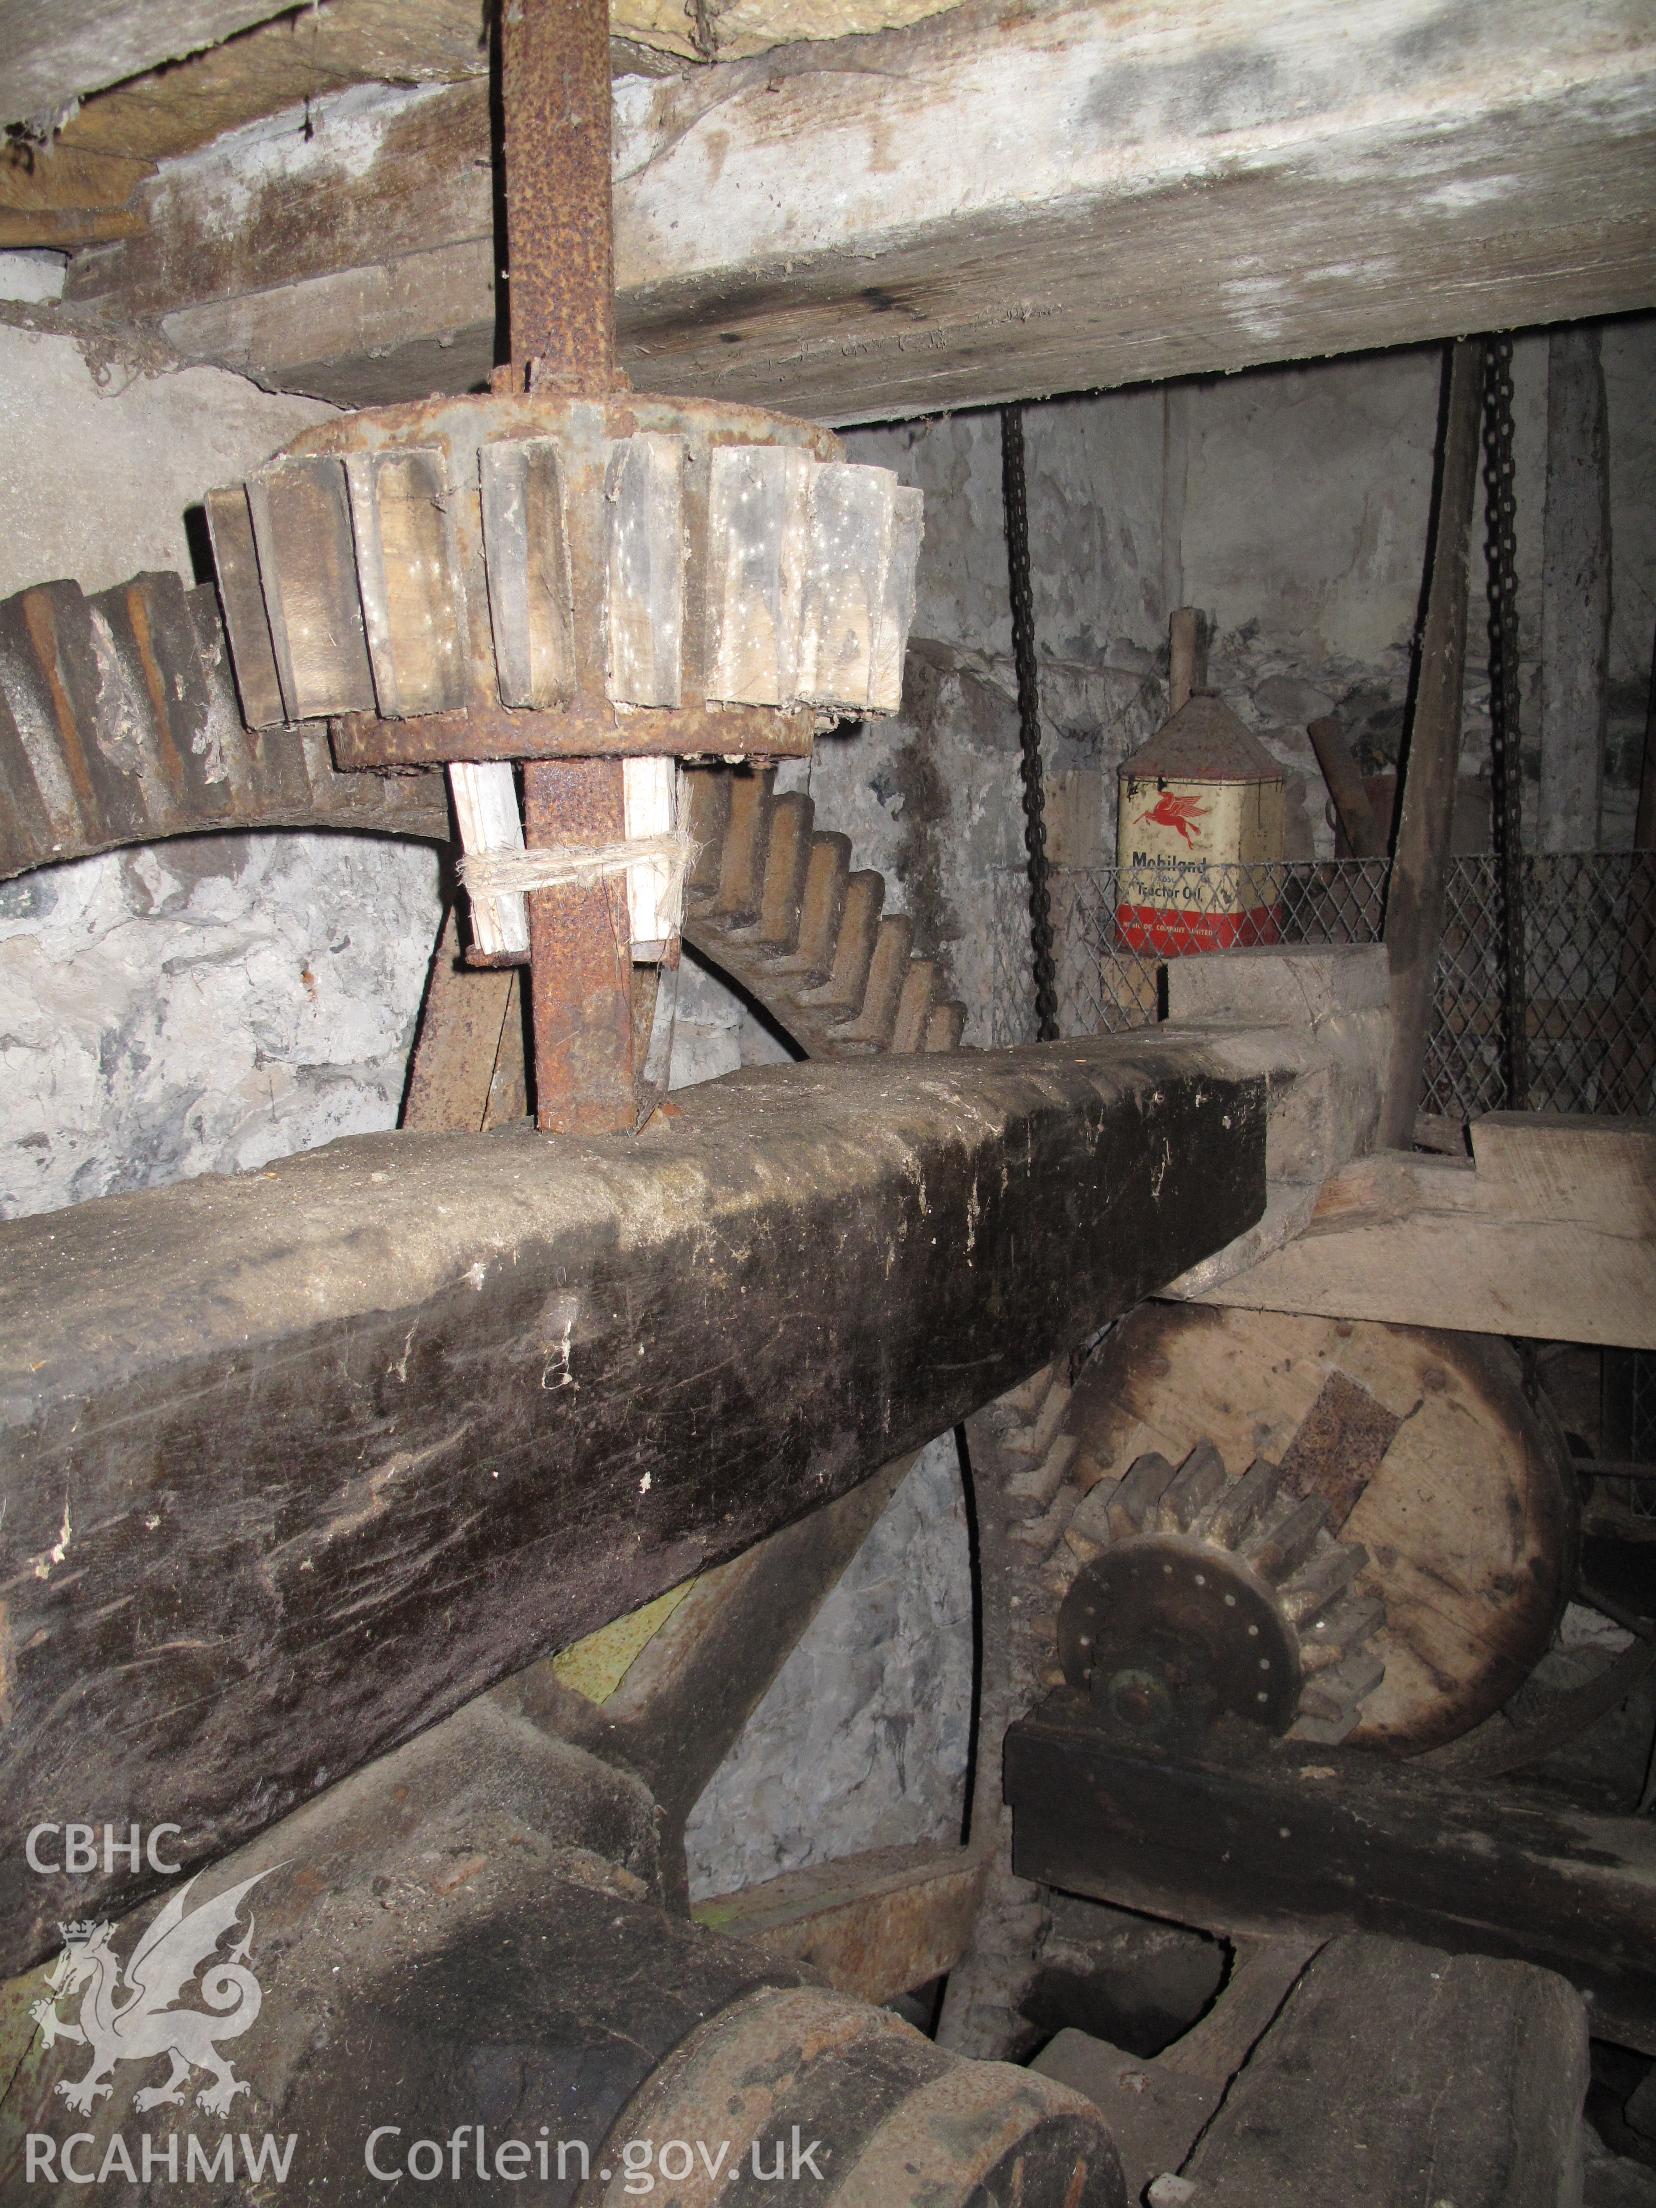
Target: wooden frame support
[303, 1459]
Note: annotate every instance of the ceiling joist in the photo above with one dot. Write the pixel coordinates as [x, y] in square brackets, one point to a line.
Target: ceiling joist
[974, 208]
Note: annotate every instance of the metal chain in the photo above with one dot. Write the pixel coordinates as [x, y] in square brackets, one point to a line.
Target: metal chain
[1014, 492]
[1506, 750]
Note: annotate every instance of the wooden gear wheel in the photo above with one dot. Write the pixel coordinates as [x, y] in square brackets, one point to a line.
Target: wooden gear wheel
[1448, 1489]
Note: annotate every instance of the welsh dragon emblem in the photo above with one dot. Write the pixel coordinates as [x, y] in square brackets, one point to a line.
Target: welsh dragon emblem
[127, 2012]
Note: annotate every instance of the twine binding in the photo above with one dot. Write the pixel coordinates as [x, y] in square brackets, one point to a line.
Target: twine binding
[580, 866]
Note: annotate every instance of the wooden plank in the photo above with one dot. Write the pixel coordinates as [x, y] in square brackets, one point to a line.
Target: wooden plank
[236, 565]
[450, 1076]
[1260, 1838]
[644, 550]
[1396, 2073]
[307, 559]
[875, 1925]
[299, 1460]
[1551, 1233]
[756, 537]
[53, 55]
[1575, 595]
[689, 1686]
[526, 552]
[649, 807]
[862, 246]
[1362, 831]
[853, 512]
[1186, 656]
[1262, 1975]
[484, 794]
[894, 614]
[408, 573]
[1415, 890]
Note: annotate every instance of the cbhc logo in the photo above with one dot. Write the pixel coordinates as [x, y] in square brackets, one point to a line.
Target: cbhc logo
[86, 1847]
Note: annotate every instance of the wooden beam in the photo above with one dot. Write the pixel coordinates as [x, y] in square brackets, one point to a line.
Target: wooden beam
[875, 1925]
[1420, 859]
[1399, 2073]
[1575, 595]
[1365, 839]
[299, 1460]
[1551, 1233]
[844, 229]
[1263, 1837]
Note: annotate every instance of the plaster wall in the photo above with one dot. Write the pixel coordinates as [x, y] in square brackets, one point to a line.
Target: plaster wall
[100, 460]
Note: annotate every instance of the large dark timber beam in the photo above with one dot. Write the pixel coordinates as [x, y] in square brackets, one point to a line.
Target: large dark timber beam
[300, 1460]
[989, 205]
[1262, 1837]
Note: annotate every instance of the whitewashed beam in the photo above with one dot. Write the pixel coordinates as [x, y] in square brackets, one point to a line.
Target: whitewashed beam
[52, 55]
[979, 207]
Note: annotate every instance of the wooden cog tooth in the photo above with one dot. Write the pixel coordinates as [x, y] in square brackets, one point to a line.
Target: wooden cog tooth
[1137, 1494]
[1341, 1630]
[1238, 1508]
[1329, 1570]
[1331, 1701]
[1089, 1531]
[1280, 1545]
[1197, 1484]
[827, 877]
[788, 853]
[775, 903]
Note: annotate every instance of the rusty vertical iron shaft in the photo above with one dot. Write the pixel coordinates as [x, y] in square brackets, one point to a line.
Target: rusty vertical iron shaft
[559, 221]
[580, 956]
[561, 271]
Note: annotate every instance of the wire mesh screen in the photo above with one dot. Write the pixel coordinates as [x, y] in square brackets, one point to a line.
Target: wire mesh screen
[1628, 1423]
[1590, 983]
[1590, 945]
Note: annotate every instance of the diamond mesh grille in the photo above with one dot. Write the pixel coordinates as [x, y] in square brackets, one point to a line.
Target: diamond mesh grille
[1590, 948]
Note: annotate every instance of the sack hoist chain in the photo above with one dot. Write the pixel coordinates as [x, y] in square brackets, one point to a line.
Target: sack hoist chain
[1506, 760]
[1014, 492]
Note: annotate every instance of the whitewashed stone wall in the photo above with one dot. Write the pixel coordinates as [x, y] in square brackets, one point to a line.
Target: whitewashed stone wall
[203, 1006]
[862, 1739]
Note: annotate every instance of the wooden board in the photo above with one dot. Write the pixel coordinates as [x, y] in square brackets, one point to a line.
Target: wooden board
[876, 1924]
[1550, 1232]
[863, 243]
[53, 54]
[1466, 1515]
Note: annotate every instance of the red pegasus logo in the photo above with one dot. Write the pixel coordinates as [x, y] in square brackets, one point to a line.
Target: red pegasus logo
[1172, 811]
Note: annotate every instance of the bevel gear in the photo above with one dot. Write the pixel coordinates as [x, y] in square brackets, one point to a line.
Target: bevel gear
[1199, 1594]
